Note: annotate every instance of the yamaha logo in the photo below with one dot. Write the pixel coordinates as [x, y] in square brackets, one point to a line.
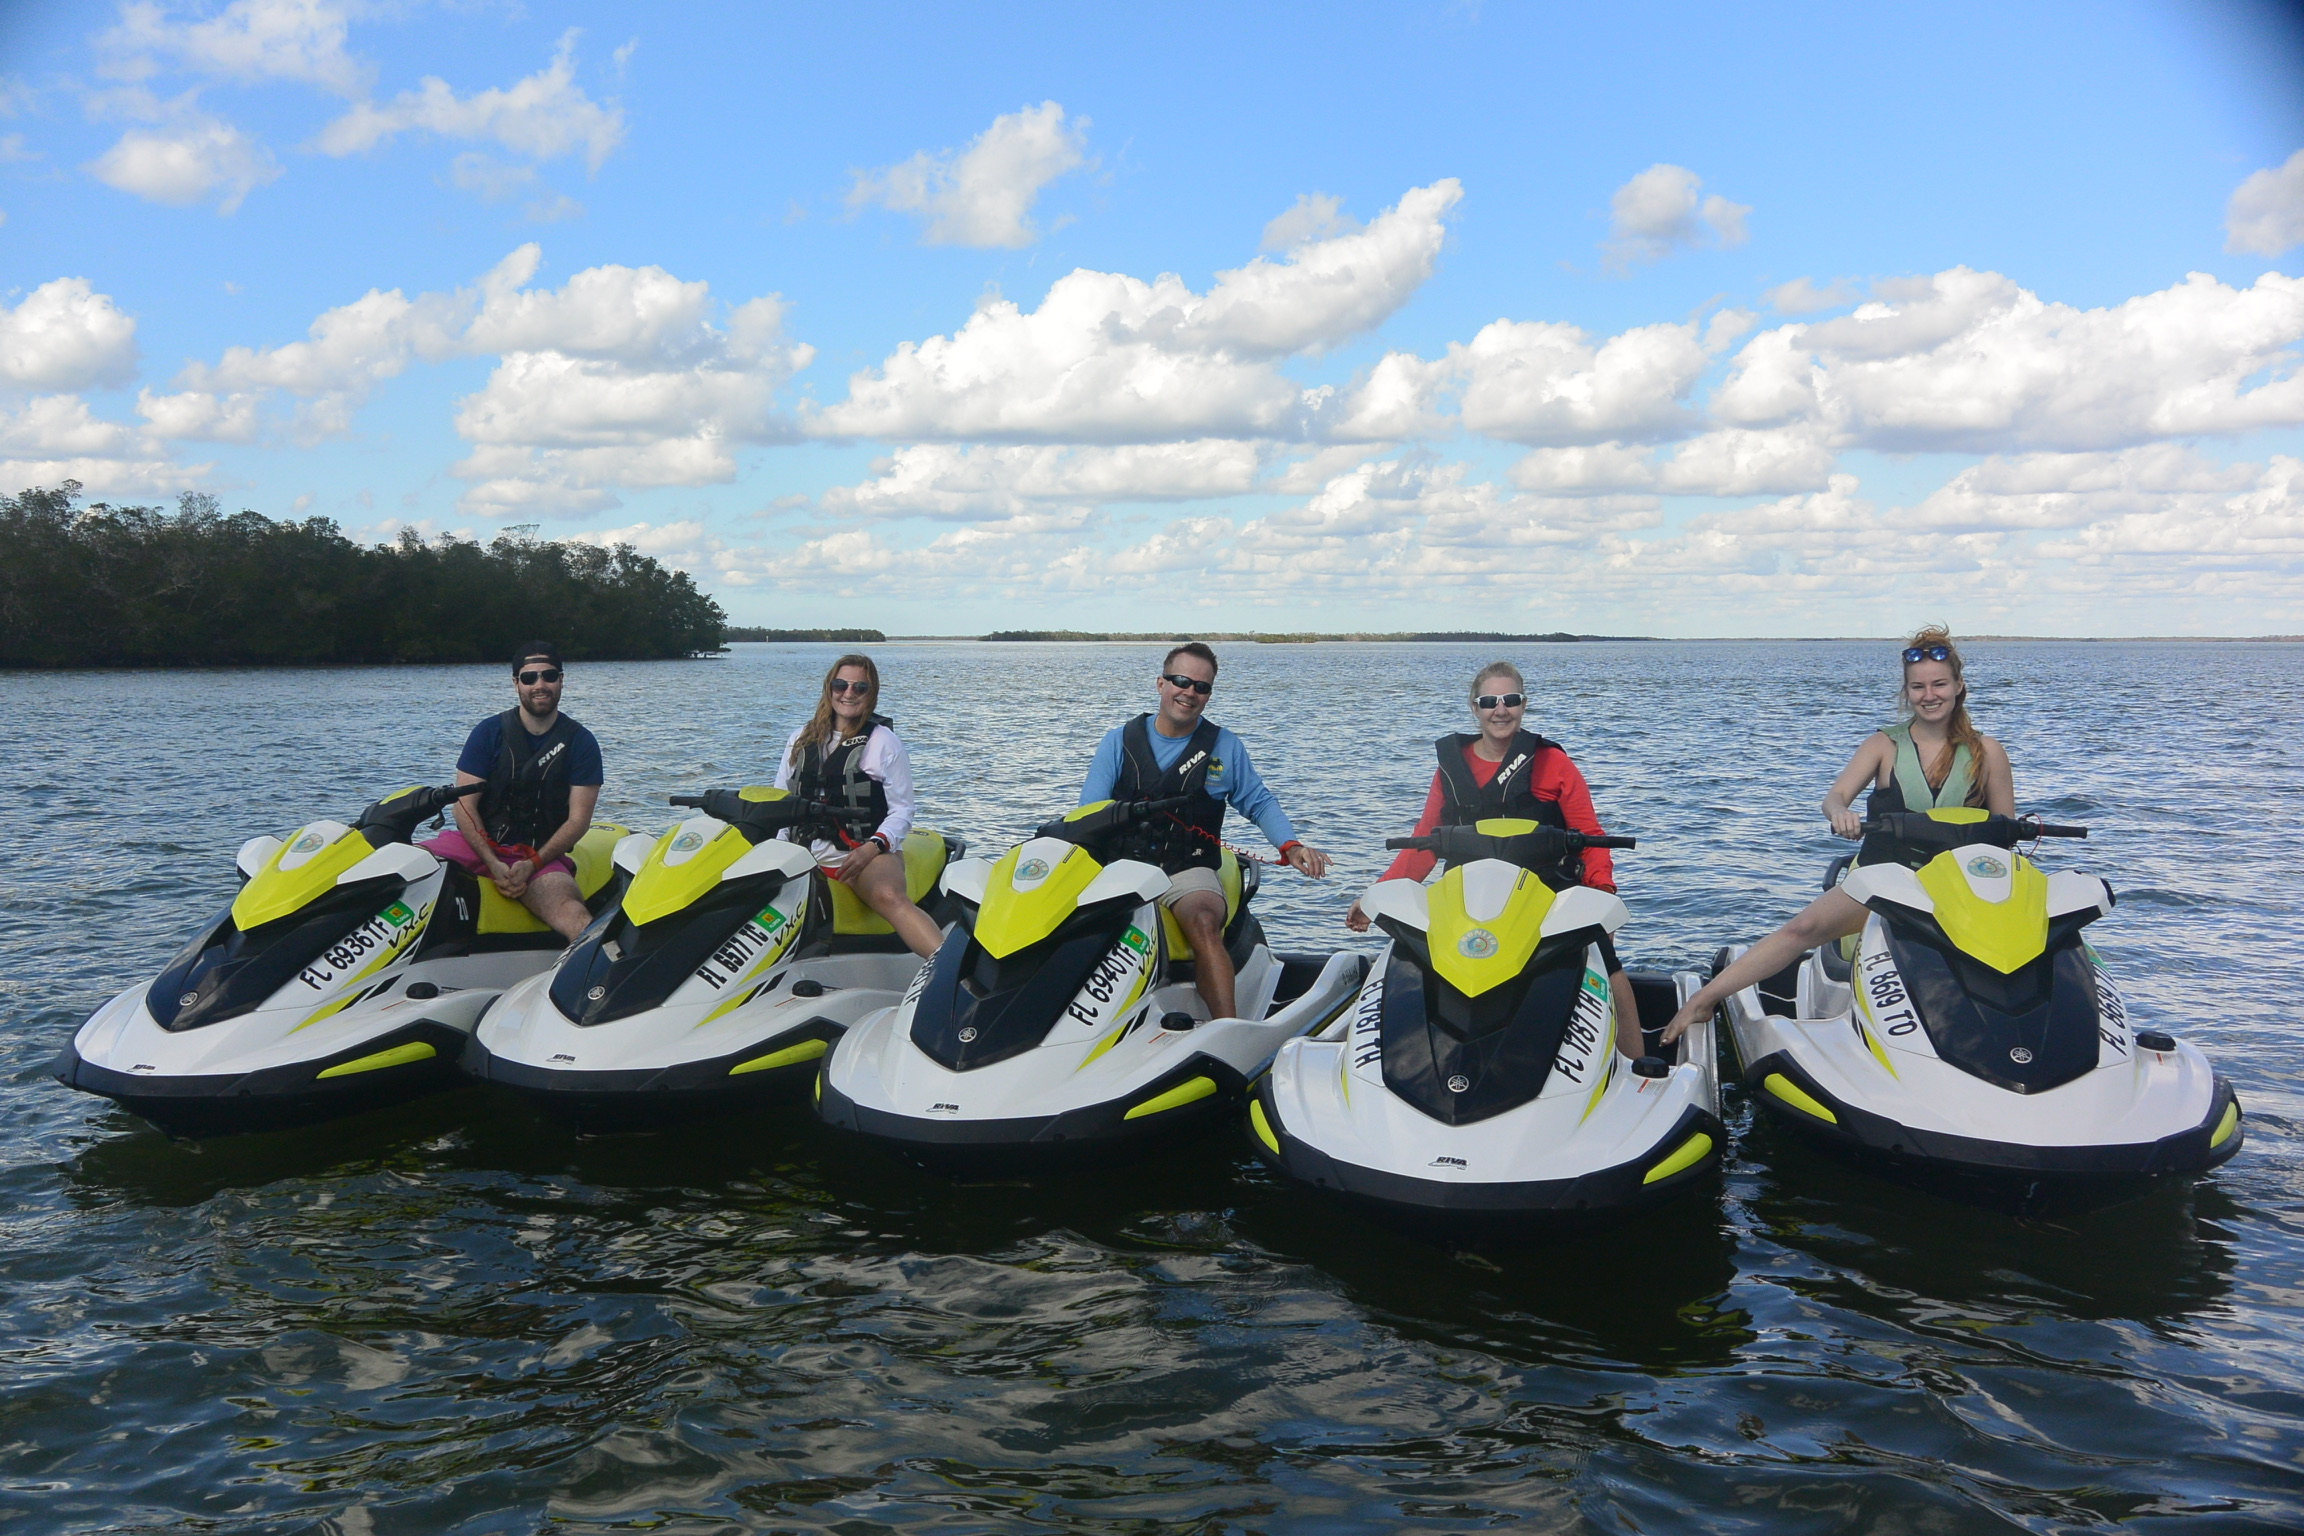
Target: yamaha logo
[968, 1035]
[1479, 944]
[188, 999]
[1459, 1083]
[309, 843]
[1986, 867]
[1031, 870]
[597, 993]
[688, 841]
[2019, 1055]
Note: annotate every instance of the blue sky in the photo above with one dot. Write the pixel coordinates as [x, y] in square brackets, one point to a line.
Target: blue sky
[1650, 319]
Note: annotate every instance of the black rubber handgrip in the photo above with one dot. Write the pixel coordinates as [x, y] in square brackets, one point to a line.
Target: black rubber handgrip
[459, 791]
[693, 802]
[1419, 844]
[1611, 842]
[2049, 829]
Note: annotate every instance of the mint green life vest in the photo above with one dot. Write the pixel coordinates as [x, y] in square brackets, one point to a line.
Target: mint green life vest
[1912, 780]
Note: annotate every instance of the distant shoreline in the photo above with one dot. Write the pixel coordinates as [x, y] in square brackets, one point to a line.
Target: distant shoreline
[1359, 639]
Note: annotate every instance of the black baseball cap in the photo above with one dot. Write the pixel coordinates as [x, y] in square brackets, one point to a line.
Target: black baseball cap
[535, 650]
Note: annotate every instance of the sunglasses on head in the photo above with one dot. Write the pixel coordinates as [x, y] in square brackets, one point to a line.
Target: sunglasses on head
[1500, 700]
[842, 685]
[541, 675]
[1178, 680]
[1914, 653]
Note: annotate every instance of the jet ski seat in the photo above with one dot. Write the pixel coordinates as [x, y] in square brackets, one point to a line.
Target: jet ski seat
[1238, 888]
[595, 859]
[925, 855]
[1658, 999]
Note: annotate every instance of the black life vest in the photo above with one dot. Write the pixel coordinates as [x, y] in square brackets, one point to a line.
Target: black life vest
[1181, 839]
[1511, 792]
[526, 800]
[837, 778]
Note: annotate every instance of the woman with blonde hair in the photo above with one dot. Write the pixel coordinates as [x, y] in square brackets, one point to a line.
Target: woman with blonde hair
[847, 756]
[1504, 769]
[1934, 756]
[1932, 759]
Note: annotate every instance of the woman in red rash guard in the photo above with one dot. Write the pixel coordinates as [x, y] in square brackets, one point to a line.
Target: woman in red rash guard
[1507, 771]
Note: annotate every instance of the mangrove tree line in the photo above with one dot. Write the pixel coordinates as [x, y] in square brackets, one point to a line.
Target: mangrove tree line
[105, 586]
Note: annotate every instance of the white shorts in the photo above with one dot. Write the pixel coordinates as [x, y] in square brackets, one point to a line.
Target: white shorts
[1185, 881]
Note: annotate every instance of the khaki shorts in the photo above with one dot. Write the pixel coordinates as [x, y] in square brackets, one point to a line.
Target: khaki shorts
[1185, 881]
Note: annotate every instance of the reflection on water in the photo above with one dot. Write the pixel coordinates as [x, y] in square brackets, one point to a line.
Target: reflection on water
[456, 1316]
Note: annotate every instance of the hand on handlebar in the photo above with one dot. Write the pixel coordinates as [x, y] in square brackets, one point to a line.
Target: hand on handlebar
[1847, 823]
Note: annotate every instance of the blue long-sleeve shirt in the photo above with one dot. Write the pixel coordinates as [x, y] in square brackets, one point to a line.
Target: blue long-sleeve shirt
[1231, 777]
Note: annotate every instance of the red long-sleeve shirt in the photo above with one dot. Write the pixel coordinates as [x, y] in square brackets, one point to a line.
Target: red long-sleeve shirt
[1555, 777]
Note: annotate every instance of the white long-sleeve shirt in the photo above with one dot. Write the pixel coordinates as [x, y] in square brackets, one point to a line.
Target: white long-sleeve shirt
[884, 759]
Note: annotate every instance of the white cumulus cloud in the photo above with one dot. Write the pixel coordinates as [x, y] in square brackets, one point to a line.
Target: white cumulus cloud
[983, 195]
[1664, 210]
[248, 41]
[1111, 358]
[1968, 360]
[66, 335]
[186, 162]
[2266, 214]
[544, 117]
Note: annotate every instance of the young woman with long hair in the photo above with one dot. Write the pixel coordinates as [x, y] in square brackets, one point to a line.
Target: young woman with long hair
[847, 755]
[1932, 759]
[1934, 756]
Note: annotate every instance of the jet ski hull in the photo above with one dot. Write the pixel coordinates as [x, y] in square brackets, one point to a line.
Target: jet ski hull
[658, 1068]
[250, 1077]
[1078, 1099]
[1580, 1153]
[2140, 1115]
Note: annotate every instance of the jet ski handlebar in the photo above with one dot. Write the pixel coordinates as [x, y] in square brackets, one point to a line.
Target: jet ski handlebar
[395, 820]
[729, 805]
[1916, 833]
[1457, 844]
[2041, 828]
[1111, 816]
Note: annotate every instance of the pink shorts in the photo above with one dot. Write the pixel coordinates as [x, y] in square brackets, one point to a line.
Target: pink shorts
[450, 845]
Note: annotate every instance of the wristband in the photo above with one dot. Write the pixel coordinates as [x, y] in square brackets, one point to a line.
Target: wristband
[882, 839]
[1291, 843]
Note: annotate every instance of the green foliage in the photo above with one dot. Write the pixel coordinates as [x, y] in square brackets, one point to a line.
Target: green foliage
[112, 586]
[831, 636]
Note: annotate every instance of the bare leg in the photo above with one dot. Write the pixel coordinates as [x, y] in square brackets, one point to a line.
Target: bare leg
[881, 884]
[1201, 915]
[552, 897]
[1628, 1037]
[1833, 915]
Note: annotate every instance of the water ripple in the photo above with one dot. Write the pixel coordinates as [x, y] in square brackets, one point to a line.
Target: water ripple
[458, 1318]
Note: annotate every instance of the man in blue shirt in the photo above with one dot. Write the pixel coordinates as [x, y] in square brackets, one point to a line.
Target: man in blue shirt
[1178, 752]
[543, 774]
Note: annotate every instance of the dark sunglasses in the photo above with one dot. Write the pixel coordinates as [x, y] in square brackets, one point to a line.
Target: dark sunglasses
[1505, 700]
[1175, 680]
[842, 685]
[1913, 653]
[541, 675]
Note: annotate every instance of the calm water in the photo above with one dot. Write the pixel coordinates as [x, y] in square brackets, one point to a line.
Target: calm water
[457, 1318]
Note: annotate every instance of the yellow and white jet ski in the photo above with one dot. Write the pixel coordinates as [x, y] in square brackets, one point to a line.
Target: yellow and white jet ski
[1476, 1080]
[1973, 1031]
[1059, 1020]
[729, 967]
[346, 973]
